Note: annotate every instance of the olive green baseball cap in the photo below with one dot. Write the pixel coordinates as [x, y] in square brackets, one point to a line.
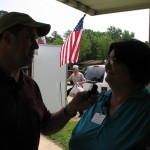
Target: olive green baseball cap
[16, 18]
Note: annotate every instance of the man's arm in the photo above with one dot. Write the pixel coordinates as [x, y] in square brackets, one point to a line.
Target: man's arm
[55, 123]
[59, 119]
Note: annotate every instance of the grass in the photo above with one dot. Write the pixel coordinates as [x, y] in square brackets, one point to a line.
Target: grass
[62, 137]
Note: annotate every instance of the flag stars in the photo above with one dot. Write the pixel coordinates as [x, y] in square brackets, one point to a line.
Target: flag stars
[70, 50]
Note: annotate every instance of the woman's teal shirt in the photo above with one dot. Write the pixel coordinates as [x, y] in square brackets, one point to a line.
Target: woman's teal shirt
[127, 129]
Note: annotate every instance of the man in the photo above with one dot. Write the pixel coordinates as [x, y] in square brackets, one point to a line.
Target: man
[23, 113]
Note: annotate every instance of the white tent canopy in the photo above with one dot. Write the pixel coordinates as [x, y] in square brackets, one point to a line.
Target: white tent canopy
[97, 7]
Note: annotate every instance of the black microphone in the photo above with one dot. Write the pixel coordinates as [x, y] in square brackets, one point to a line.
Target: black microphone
[93, 90]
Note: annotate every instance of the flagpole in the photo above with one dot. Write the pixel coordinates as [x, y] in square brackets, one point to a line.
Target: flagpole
[84, 15]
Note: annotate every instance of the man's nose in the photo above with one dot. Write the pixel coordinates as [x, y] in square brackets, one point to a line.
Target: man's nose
[35, 45]
[108, 65]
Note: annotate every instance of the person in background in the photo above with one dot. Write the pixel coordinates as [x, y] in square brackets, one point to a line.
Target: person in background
[23, 114]
[76, 77]
[120, 119]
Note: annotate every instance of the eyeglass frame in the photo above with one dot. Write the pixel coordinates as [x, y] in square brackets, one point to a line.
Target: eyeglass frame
[112, 62]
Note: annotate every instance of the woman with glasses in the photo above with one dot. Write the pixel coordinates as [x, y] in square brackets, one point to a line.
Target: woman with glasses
[120, 120]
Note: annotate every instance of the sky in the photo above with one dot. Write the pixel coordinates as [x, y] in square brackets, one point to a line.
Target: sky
[62, 17]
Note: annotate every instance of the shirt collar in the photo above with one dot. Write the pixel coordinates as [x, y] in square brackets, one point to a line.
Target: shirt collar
[140, 93]
[21, 78]
[4, 77]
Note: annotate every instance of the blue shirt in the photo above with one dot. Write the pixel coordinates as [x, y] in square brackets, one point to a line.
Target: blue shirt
[127, 129]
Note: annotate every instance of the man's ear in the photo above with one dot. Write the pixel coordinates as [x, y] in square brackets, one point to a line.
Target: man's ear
[7, 36]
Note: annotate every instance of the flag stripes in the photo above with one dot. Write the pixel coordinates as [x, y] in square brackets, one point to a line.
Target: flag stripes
[69, 52]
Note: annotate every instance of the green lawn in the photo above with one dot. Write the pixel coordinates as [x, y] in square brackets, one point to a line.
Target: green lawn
[62, 137]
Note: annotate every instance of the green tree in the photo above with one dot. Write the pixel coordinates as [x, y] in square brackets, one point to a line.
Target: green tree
[127, 35]
[105, 40]
[48, 41]
[58, 41]
[66, 34]
[55, 34]
[55, 39]
[85, 47]
[2, 12]
[117, 34]
[95, 44]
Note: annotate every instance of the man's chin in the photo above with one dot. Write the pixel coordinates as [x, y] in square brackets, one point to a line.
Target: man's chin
[27, 63]
[108, 79]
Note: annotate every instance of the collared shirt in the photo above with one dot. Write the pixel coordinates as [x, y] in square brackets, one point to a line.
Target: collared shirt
[127, 129]
[22, 113]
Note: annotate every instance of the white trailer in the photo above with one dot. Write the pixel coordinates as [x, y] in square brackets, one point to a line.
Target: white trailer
[51, 78]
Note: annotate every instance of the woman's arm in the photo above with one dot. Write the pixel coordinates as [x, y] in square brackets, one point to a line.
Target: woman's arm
[70, 78]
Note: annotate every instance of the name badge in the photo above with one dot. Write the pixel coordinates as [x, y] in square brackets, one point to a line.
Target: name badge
[98, 118]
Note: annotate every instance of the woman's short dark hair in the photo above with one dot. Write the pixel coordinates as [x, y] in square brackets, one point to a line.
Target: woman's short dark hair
[136, 56]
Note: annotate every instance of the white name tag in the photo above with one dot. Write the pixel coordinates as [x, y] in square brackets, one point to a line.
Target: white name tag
[98, 118]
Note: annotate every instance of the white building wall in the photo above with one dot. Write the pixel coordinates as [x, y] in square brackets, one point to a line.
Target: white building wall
[50, 77]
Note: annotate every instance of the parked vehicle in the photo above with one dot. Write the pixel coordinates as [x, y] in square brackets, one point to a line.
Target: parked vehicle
[96, 74]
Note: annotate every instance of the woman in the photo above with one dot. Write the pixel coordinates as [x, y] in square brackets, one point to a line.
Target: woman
[120, 120]
[76, 77]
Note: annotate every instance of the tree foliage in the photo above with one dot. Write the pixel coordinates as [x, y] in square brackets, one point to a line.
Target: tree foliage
[2, 12]
[54, 39]
[66, 34]
[94, 44]
[117, 34]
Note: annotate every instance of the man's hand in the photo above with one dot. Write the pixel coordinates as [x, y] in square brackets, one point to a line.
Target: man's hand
[81, 101]
[59, 119]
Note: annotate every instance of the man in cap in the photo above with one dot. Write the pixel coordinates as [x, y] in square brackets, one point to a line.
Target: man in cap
[23, 113]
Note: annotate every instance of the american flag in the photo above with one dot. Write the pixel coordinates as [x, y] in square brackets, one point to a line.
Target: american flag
[69, 52]
[42, 40]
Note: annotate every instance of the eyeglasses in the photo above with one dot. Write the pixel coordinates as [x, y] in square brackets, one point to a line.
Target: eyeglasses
[112, 62]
